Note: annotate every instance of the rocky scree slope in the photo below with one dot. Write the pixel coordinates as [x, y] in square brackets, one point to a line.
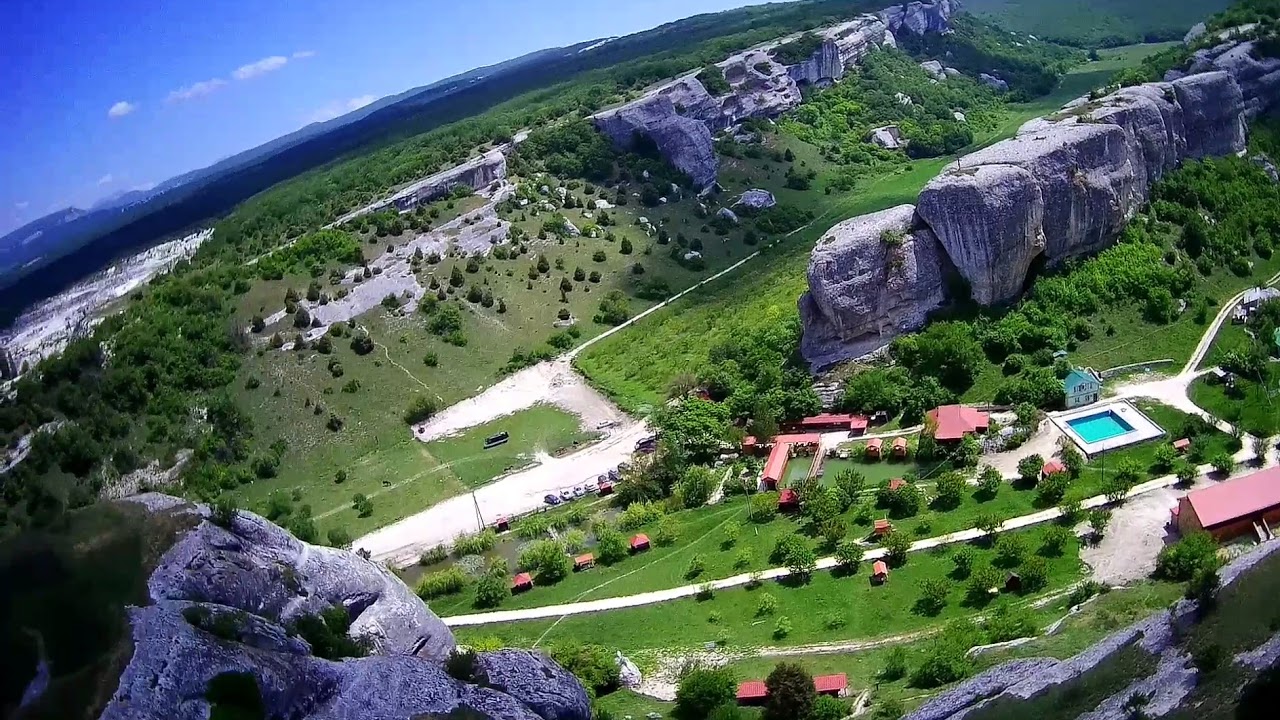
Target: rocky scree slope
[681, 115]
[1161, 637]
[1062, 187]
[265, 578]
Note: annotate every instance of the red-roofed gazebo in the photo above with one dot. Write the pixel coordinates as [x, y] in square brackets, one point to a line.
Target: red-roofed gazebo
[874, 448]
[879, 572]
[639, 542]
[788, 499]
[521, 583]
[583, 562]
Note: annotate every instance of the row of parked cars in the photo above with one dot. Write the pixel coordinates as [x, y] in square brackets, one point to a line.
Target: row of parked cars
[603, 485]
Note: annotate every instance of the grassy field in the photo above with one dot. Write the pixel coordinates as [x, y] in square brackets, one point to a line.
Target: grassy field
[1090, 23]
[1253, 406]
[829, 607]
[635, 367]
[701, 532]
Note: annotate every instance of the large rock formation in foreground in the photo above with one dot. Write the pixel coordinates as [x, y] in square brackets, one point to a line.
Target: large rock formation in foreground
[256, 578]
[680, 116]
[1064, 186]
[476, 173]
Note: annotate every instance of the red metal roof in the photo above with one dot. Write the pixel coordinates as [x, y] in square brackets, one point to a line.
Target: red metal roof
[831, 683]
[788, 496]
[956, 421]
[1236, 499]
[1053, 467]
[521, 580]
[879, 568]
[1181, 444]
[875, 443]
[777, 461]
[897, 483]
[798, 439]
[639, 540]
[752, 690]
[840, 420]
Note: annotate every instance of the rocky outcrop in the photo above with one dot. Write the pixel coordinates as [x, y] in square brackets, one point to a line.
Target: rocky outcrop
[843, 46]
[683, 141]
[993, 82]
[1064, 186]
[920, 17]
[1158, 637]
[888, 137]
[681, 115]
[870, 278]
[1257, 75]
[257, 578]
[756, 199]
[477, 173]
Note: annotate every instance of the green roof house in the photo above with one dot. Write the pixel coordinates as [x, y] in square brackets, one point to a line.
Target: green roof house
[1082, 387]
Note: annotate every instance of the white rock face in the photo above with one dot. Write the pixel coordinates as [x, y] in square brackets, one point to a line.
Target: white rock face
[477, 174]
[888, 137]
[843, 47]
[728, 214]
[920, 17]
[993, 82]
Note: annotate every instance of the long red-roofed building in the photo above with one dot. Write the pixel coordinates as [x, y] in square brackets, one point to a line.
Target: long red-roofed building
[754, 692]
[954, 422]
[833, 685]
[781, 453]
[855, 424]
[1229, 509]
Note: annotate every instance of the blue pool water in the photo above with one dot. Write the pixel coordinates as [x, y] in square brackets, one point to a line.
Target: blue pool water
[1099, 427]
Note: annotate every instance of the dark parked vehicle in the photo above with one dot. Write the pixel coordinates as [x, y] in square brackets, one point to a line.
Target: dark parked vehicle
[551, 499]
[494, 441]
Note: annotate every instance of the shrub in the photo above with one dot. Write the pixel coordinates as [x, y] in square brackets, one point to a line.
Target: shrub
[461, 665]
[895, 665]
[729, 534]
[702, 690]
[763, 507]
[1055, 540]
[989, 482]
[766, 605]
[475, 544]
[1180, 561]
[696, 565]
[546, 559]
[593, 665]
[933, 596]
[964, 558]
[611, 546]
[421, 409]
[1034, 574]
[439, 584]
[790, 688]
[491, 590]
[782, 628]
[897, 545]
[1011, 548]
[849, 554]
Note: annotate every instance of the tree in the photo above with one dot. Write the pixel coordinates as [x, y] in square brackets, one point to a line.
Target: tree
[1055, 540]
[933, 595]
[362, 505]
[1034, 574]
[1029, 469]
[547, 560]
[791, 693]
[1010, 549]
[950, 487]
[964, 558]
[362, 344]
[703, 689]
[849, 484]
[1186, 473]
[896, 545]
[258, 324]
[611, 546]
[696, 427]
[1223, 463]
[339, 538]
[491, 590]
[1180, 561]
[625, 247]
[981, 581]
[1072, 459]
[829, 708]
[968, 453]
[988, 523]
[614, 309]
[456, 278]
[801, 560]
[989, 482]
[421, 408]
[696, 485]
[1052, 489]
[1098, 521]
[849, 554]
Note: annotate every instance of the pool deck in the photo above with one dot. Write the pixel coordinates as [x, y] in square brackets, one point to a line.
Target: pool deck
[1144, 428]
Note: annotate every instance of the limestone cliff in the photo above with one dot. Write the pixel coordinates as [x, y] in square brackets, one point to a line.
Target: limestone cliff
[258, 578]
[475, 173]
[1064, 186]
[681, 115]
[870, 276]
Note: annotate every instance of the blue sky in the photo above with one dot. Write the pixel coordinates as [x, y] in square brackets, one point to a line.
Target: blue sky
[98, 98]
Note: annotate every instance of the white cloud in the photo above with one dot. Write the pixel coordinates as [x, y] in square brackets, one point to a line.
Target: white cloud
[200, 89]
[304, 54]
[22, 204]
[120, 109]
[260, 67]
[106, 179]
[339, 107]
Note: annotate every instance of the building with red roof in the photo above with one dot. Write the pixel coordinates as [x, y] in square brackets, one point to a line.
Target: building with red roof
[954, 422]
[639, 542]
[897, 484]
[502, 524]
[788, 499]
[783, 446]
[835, 422]
[583, 562]
[1182, 445]
[879, 572]
[874, 448]
[752, 692]
[521, 582]
[1053, 467]
[883, 527]
[1230, 509]
[833, 685]
[900, 447]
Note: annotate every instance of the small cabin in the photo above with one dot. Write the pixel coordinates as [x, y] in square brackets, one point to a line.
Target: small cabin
[752, 692]
[1182, 445]
[874, 449]
[897, 484]
[584, 562]
[788, 499]
[883, 527]
[639, 542]
[879, 572]
[834, 685]
[502, 524]
[521, 583]
[1053, 467]
[900, 448]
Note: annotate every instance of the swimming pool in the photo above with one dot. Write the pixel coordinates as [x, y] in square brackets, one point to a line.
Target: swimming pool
[1114, 425]
[1100, 426]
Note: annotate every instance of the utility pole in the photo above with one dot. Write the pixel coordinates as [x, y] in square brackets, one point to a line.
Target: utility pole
[479, 517]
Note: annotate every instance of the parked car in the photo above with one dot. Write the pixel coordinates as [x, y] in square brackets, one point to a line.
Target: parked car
[566, 494]
[552, 500]
[601, 479]
[577, 491]
[587, 489]
[613, 475]
[624, 466]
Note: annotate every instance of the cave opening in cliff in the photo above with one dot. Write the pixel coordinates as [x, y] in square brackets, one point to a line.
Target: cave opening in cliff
[1034, 270]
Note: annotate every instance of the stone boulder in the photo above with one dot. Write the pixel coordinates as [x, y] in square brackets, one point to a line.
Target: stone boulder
[256, 578]
[757, 199]
[761, 88]
[935, 69]
[870, 278]
[888, 137]
[993, 82]
[1195, 33]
